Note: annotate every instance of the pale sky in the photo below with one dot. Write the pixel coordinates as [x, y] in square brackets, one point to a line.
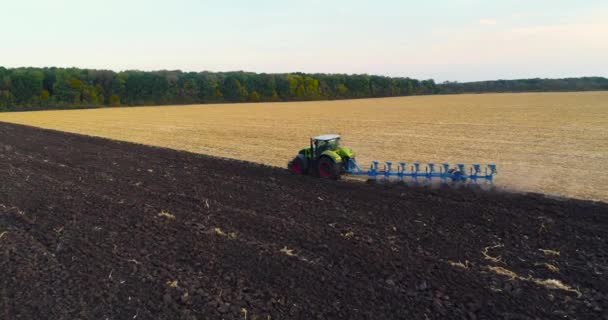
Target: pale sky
[462, 40]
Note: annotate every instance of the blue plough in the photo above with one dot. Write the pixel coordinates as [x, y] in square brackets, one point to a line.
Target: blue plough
[432, 171]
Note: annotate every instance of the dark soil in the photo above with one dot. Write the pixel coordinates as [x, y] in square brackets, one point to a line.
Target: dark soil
[82, 237]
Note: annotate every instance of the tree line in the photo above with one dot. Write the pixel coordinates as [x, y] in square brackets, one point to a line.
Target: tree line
[48, 88]
[526, 85]
[54, 88]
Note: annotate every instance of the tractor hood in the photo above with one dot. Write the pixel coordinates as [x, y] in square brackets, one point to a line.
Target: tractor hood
[338, 154]
[345, 153]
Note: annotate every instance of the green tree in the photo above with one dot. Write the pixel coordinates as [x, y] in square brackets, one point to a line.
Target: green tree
[234, 91]
[342, 90]
[114, 101]
[45, 96]
[25, 86]
[274, 97]
[254, 97]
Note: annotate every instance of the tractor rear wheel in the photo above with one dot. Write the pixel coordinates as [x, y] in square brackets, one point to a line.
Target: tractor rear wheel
[298, 165]
[328, 169]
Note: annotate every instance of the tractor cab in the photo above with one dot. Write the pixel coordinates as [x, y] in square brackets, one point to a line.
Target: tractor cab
[325, 142]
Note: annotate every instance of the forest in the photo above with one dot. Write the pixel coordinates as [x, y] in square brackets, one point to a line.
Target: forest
[526, 85]
[52, 88]
[63, 88]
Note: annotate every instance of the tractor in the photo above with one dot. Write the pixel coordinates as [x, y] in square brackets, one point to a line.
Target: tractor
[324, 158]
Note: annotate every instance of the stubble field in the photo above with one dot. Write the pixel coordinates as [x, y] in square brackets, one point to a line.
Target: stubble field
[554, 143]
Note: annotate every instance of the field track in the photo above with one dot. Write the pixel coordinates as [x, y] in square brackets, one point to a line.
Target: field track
[98, 229]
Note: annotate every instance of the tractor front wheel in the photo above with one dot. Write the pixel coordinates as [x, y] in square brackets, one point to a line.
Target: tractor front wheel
[328, 169]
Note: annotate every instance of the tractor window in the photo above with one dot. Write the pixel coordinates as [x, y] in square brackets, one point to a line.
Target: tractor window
[333, 144]
[323, 145]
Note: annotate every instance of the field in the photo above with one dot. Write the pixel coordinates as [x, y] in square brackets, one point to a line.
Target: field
[554, 143]
[98, 229]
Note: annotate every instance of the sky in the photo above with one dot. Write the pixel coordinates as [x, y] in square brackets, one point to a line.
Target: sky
[455, 40]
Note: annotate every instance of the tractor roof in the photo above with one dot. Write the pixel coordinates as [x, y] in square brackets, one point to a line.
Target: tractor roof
[326, 137]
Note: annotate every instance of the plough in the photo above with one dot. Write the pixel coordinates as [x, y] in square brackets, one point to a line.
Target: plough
[442, 172]
[325, 158]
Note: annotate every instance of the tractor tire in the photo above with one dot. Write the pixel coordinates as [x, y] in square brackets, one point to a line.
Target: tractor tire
[299, 165]
[328, 169]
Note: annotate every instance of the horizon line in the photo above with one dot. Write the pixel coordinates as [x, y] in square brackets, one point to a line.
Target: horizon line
[300, 72]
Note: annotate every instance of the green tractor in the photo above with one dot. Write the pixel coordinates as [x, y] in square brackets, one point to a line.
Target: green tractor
[324, 158]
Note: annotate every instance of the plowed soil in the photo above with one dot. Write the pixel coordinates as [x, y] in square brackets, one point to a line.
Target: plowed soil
[98, 229]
